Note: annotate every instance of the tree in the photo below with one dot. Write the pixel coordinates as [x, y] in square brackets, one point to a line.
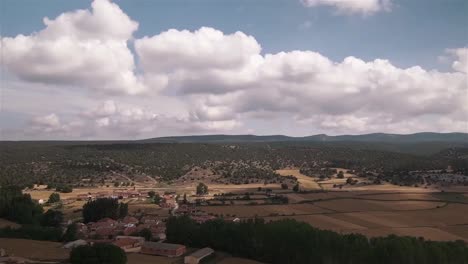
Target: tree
[52, 218]
[64, 189]
[184, 201]
[202, 189]
[146, 233]
[22, 209]
[54, 198]
[296, 187]
[157, 199]
[123, 210]
[103, 207]
[98, 254]
[349, 180]
[288, 242]
[19, 207]
[116, 184]
[340, 175]
[71, 234]
[151, 194]
[284, 186]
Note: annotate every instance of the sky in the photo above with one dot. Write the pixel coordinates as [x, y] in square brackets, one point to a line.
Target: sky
[126, 69]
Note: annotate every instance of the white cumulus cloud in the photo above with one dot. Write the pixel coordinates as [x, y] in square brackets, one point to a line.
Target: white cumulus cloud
[209, 81]
[365, 7]
[84, 48]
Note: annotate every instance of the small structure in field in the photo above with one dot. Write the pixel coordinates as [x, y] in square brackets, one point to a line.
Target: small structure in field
[198, 255]
[163, 249]
[74, 244]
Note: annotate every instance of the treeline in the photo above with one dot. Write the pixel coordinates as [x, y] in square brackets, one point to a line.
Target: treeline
[289, 241]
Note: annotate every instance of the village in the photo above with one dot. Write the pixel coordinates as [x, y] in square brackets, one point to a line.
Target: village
[360, 206]
[139, 232]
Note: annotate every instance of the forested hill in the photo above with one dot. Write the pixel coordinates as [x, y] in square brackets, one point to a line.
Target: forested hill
[375, 137]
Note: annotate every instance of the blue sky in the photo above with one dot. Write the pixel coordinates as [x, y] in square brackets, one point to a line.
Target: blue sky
[406, 56]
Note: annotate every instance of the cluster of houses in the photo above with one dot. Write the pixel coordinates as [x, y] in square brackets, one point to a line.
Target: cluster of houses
[107, 229]
[117, 194]
[124, 233]
[168, 200]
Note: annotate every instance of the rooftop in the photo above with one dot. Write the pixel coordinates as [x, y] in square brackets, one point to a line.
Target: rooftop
[201, 253]
[163, 246]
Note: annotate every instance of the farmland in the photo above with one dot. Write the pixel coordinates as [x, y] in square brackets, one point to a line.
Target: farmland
[386, 210]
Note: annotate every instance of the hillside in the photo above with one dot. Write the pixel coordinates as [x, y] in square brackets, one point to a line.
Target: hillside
[375, 137]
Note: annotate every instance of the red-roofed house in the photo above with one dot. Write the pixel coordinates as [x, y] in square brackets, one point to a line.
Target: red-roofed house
[163, 249]
[105, 232]
[130, 230]
[129, 243]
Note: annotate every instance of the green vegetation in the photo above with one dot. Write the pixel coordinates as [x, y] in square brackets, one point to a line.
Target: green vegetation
[18, 207]
[98, 254]
[104, 207]
[146, 233]
[202, 189]
[296, 187]
[71, 234]
[52, 218]
[64, 165]
[289, 241]
[54, 198]
[33, 233]
[340, 175]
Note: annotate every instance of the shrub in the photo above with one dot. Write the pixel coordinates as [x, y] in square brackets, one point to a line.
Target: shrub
[54, 198]
[98, 254]
[71, 234]
[52, 218]
[33, 233]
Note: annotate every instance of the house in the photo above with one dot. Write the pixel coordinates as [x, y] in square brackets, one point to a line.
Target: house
[105, 232]
[198, 255]
[108, 221]
[148, 219]
[82, 229]
[130, 220]
[168, 203]
[163, 249]
[129, 243]
[202, 218]
[157, 230]
[130, 230]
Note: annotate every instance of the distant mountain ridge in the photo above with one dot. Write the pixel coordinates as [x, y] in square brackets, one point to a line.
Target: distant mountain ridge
[374, 137]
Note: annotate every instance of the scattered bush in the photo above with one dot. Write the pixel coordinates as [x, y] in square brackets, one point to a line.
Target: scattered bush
[98, 254]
